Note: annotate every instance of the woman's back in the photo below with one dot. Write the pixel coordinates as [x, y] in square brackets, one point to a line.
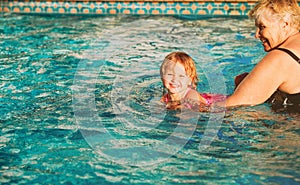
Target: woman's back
[290, 64]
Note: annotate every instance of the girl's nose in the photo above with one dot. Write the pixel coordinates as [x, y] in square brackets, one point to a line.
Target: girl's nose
[174, 78]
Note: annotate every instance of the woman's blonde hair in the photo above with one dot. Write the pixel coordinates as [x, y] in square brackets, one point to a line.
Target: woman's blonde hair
[186, 61]
[287, 10]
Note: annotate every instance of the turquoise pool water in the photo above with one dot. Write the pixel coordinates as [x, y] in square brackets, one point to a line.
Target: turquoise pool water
[78, 105]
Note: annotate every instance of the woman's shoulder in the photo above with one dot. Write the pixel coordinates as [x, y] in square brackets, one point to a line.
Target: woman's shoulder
[279, 57]
[293, 44]
[283, 55]
[273, 61]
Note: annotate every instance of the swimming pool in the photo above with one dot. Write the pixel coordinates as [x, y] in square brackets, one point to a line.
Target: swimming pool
[79, 98]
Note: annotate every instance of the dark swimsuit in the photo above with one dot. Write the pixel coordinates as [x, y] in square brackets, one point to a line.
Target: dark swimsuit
[284, 101]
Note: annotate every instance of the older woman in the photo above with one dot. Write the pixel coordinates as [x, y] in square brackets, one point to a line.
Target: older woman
[278, 25]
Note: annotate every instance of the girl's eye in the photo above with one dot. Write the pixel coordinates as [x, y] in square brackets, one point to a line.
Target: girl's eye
[182, 76]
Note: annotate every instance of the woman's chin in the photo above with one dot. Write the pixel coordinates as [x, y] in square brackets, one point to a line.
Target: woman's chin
[267, 48]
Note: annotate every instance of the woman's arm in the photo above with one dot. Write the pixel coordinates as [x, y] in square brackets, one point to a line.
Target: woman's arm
[261, 82]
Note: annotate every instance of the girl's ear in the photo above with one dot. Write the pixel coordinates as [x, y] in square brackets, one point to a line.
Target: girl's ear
[192, 85]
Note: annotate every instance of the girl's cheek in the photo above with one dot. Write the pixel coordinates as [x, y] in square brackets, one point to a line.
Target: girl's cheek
[189, 81]
[165, 82]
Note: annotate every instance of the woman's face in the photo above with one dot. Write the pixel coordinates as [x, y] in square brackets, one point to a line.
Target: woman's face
[175, 78]
[269, 31]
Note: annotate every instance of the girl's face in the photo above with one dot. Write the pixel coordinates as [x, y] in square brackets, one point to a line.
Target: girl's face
[175, 78]
[269, 31]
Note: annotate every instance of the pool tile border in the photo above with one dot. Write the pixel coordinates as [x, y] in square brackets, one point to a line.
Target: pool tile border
[152, 7]
[140, 7]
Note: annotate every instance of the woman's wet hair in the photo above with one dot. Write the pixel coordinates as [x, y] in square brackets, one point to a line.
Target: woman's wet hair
[286, 10]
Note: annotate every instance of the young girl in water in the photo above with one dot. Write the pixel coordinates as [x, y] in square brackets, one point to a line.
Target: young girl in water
[179, 77]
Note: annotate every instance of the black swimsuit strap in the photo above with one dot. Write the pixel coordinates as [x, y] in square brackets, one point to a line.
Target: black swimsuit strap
[290, 53]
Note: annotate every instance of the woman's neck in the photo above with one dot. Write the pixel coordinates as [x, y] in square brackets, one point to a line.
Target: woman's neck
[290, 36]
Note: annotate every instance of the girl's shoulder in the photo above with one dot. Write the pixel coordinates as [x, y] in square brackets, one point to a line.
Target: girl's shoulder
[192, 94]
[196, 96]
